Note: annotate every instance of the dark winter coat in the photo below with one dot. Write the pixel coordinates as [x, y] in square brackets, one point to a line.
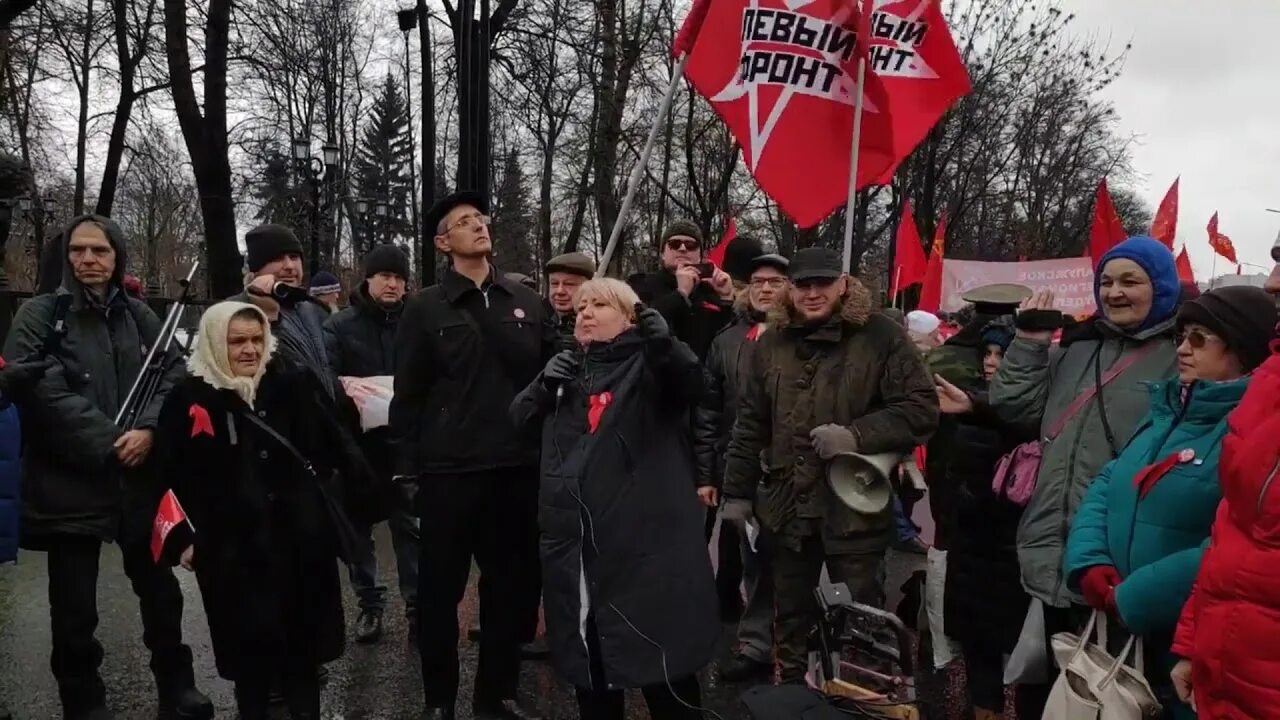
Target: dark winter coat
[858, 370]
[361, 342]
[695, 319]
[984, 603]
[264, 544]
[71, 480]
[618, 502]
[726, 375]
[456, 378]
[10, 483]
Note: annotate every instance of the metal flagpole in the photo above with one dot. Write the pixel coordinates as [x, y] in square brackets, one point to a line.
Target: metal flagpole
[1213, 274]
[633, 183]
[853, 163]
[897, 278]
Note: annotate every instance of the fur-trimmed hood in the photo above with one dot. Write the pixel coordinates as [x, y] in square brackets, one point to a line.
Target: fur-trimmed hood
[855, 309]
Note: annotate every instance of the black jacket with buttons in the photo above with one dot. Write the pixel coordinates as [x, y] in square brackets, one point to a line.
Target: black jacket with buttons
[463, 353]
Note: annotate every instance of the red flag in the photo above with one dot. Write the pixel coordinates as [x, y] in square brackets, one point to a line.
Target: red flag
[909, 264]
[1107, 230]
[170, 519]
[1165, 226]
[782, 75]
[1220, 243]
[1185, 274]
[931, 293]
[715, 255]
[689, 30]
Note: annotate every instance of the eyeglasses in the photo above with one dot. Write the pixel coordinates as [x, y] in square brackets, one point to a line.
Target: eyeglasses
[678, 244]
[773, 282]
[1195, 338]
[467, 221]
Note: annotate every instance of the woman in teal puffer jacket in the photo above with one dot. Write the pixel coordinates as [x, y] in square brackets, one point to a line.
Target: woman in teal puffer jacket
[1136, 542]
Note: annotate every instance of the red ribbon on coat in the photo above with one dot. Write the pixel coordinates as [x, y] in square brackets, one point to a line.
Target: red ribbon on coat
[1147, 477]
[595, 410]
[200, 422]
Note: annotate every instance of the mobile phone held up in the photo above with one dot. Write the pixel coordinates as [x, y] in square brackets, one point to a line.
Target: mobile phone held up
[706, 270]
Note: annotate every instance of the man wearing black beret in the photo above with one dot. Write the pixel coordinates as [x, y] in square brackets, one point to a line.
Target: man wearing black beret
[463, 350]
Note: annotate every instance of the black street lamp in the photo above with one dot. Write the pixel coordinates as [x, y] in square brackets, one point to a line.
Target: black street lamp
[382, 210]
[315, 172]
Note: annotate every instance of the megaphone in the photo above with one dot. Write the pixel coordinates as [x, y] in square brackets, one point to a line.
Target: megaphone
[861, 482]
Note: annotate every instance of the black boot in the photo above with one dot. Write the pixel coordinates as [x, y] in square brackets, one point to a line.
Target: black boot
[186, 704]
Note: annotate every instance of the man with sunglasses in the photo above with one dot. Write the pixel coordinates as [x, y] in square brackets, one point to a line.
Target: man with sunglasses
[464, 348]
[695, 299]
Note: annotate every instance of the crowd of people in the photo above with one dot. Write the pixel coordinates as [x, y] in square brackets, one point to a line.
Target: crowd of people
[584, 445]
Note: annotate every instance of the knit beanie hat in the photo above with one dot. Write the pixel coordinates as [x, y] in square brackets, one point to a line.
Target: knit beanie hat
[739, 257]
[1243, 316]
[922, 323]
[386, 258]
[1157, 262]
[683, 227]
[324, 283]
[266, 243]
[999, 332]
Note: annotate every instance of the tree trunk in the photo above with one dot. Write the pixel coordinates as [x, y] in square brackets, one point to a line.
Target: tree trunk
[124, 109]
[608, 121]
[426, 250]
[206, 136]
[82, 119]
[544, 194]
[584, 184]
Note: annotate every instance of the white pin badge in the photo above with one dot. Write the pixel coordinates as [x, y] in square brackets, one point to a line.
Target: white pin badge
[519, 313]
[1186, 456]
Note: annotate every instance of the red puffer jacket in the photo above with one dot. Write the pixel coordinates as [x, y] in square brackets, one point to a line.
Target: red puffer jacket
[1230, 628]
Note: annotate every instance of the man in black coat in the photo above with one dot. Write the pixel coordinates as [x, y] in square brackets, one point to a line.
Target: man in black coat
[83, 475]
[361, 342]
[694, 302]
[465, 348]
[565, 274]
[727, 369]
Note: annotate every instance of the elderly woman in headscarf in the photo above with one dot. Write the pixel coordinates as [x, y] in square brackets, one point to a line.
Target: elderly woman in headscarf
[249, 447]
[627, 587]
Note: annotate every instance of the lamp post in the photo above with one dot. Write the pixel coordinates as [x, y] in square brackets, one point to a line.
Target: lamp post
[314, 172]
[39, 212]
[381, 209]
[408, 19]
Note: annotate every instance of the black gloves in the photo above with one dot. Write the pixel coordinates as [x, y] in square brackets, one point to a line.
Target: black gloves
[653, 328]
[560, 369]
[18, 378]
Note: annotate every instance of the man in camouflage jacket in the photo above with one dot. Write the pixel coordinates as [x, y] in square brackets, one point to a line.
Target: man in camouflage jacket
[829, 378]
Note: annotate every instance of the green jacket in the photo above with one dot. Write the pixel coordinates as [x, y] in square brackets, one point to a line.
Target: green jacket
[858, 370]
[1156, 542]
[1035, 385]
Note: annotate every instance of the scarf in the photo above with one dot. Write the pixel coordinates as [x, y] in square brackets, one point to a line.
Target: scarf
[209, 360]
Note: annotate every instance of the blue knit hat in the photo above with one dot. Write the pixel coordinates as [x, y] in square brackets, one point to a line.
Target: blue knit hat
[323, 283]
[1157, 261]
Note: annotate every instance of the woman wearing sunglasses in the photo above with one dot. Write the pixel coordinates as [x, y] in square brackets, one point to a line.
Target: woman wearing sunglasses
[1135, 544]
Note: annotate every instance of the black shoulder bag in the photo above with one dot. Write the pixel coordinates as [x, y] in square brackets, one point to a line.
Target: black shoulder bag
[351, 545]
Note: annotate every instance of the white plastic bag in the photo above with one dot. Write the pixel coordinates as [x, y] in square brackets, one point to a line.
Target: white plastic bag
[944, 650]
[1028, 664]
[372, 396]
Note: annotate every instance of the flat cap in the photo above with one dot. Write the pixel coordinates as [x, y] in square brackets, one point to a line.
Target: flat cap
[444, 205]
[997, 298]
[574, 263]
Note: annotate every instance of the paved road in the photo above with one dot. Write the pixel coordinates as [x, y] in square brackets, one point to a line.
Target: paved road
[377, 682]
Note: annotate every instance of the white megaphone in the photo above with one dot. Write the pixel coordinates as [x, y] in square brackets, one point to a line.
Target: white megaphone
[861, 482]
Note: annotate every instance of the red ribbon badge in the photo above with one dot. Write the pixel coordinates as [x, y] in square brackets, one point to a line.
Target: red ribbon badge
[1147, 477]
[598, 404]
[754, 333]
[200, 422]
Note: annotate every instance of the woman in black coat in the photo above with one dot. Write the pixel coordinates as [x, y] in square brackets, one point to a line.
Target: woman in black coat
[984, 603]
[628, 592]
[265, 539]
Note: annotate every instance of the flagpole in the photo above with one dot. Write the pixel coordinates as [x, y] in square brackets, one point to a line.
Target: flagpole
[897, 278]
[633, 184]
[1213, 274]
[853, 164]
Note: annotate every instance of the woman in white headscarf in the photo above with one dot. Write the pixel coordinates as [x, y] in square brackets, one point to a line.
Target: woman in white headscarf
[250, 448]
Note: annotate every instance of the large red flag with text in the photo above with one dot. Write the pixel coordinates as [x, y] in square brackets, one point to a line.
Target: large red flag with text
[931, 293]
[1107, 231]
[1165, 225]
[782, 75]
[909, 264]
[1220, 243]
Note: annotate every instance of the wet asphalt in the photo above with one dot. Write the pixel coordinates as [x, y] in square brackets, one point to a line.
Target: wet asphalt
[380, 681]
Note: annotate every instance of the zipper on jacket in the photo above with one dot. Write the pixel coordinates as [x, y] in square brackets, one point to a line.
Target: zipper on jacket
[1267, 485]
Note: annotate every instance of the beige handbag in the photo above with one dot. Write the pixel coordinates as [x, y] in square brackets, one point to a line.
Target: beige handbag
[1094, 685]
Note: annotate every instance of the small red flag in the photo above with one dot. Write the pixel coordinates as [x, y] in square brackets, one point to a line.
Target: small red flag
[1185, 274]
[1165, 226]
[931, 293]
[170, 522]
[782, 74]
[1220, 243]
[1107, 230]
[716, 254]
[909, 263]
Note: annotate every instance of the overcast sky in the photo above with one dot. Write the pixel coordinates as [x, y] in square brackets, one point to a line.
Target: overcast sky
[1200, 90]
